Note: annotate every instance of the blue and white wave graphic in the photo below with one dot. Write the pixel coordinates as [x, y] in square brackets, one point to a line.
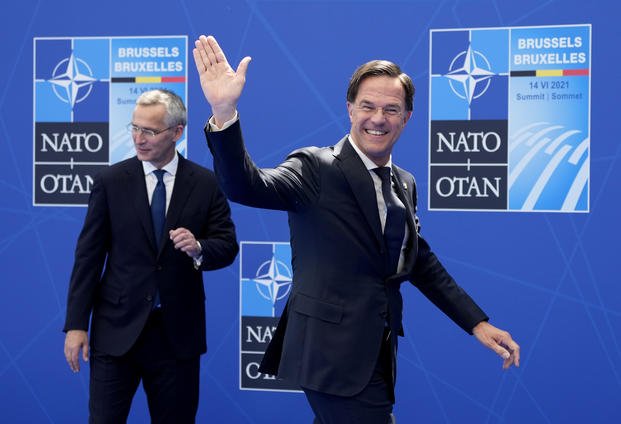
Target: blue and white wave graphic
[548, 169]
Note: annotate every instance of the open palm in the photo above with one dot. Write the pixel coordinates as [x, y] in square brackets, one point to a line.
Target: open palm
[221, 84]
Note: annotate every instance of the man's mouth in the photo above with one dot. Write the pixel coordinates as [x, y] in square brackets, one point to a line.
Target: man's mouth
[375, 132]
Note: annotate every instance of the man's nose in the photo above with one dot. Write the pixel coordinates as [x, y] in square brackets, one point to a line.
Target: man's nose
[378, 115]
[139, 137]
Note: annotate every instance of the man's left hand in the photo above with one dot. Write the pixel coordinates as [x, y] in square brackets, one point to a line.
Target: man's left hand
[184, 240]
[499, 341]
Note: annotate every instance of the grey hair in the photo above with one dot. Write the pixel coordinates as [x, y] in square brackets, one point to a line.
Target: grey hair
[176, 113]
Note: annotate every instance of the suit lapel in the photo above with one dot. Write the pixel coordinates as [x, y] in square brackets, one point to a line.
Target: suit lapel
[404, 192]
[361, 184]
[184, 184]
[402, 189]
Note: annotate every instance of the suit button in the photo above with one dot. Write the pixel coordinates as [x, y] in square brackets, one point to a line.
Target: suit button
[158, 268]
[383, 314]
[149, 298]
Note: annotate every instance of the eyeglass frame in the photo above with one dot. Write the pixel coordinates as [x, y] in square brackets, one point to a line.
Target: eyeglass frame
[371, 109]
[132, 128]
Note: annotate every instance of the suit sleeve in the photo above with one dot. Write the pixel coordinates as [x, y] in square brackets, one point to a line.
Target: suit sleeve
[292, 185]
[435, 282]
[90, 256]
[219, 241]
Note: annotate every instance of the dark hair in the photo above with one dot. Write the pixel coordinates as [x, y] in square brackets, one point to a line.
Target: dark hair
[381, 68]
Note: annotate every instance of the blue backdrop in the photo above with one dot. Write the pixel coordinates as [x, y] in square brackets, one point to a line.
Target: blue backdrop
[548, 278]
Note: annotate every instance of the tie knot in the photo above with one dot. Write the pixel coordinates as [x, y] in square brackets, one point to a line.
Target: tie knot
[159, 174]
[384, 174]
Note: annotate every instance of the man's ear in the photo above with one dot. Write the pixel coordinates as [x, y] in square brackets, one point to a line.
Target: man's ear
[406, 117]
[178, 132]
[350, 111]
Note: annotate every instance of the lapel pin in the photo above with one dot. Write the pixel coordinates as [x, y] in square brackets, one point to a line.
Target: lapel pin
[405, 186]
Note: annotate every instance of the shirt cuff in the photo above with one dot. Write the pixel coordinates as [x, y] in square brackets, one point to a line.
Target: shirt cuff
[213, 127]
[198, 261]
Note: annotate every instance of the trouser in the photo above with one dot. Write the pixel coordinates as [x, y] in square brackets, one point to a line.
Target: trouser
[170, 384]
[373, 405]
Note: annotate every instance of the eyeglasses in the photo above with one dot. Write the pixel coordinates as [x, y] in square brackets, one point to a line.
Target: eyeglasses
[370, 109]
[135, 129]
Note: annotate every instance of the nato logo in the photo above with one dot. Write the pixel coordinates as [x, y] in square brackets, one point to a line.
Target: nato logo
[469, 74]
[468, 128]
[265, 284]
[71, 133]
[266, 278]
[71, 80]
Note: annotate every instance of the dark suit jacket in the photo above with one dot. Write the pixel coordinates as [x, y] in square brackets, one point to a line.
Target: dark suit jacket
[117, 238]
[329, 337]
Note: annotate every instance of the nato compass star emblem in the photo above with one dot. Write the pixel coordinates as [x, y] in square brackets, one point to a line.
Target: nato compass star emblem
[469, 74]
[72, 80]
[273, 280]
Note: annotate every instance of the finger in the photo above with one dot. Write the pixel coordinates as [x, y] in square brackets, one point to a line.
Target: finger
[515, 353]
[213, 50]
[180, 233]
[512, 360]
[185, 245]
[178, 244]
[198, 60]
[216, 50]
[176, 233]
[501, 351]
[178, 240]
[72, 359]
[507, 363]
[243, 66]
[202, 45]
[181, 241]
[85, 352]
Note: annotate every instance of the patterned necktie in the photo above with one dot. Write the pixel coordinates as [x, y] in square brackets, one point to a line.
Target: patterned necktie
[158, 206]
[394, 228]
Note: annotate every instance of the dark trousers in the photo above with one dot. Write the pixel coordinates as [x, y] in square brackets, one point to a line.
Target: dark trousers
[170, 384]
[373, 405]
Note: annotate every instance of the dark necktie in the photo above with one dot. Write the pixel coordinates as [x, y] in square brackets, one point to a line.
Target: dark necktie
[394, 228]
[158, 206]
[158, 213]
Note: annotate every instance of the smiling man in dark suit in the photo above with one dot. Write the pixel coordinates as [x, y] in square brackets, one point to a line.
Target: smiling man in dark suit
[354, 239]
[154, 223]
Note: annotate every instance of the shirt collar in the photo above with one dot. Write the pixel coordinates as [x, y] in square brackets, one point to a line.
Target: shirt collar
[368, 163]
[170, 167]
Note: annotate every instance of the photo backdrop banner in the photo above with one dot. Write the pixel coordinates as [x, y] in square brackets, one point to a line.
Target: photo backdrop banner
[526, 219]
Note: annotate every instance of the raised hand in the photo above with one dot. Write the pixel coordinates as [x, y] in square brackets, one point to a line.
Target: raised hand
[221, 84]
